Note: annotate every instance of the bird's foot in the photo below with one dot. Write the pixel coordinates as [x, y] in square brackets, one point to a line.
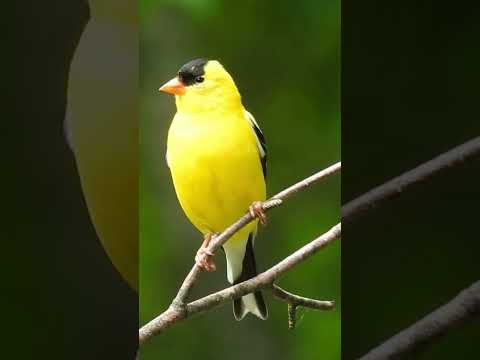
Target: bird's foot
[257, 211]
[204, 257]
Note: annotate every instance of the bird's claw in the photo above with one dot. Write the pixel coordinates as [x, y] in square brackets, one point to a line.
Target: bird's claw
[204, 257]
[257, 211]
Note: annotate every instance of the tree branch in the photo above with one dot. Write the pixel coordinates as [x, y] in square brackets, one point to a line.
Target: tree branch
[295, 301]
[462, 308]
[177, 312]
[455, 312]
[298, 300]
[218, 241]
[394, 187]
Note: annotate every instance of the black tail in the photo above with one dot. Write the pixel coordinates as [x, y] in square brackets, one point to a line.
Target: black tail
[252, 303]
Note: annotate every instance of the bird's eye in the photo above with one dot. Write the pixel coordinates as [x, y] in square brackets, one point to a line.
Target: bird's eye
[199, 79]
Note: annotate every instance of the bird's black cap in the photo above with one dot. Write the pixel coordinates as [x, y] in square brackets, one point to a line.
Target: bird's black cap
[191, 70]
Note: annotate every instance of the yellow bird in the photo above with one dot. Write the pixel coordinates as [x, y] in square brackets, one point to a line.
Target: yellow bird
[217, 157]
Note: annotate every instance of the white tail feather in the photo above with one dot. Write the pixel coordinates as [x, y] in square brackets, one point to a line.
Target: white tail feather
[250, 306]
[234, 252]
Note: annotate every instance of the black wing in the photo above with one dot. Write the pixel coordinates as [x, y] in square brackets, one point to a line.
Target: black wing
[261, 143]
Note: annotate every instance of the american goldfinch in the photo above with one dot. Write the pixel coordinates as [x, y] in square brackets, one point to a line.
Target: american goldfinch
[217, 157]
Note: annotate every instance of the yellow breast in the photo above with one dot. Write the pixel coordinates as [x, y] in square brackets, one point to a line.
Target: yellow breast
[216, 169]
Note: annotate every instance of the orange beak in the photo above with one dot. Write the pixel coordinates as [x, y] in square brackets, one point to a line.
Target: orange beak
[174, 86]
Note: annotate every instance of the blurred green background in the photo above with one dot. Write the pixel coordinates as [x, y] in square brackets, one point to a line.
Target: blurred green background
[286, 62]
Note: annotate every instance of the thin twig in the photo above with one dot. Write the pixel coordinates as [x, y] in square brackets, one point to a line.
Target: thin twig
[466, 305]
[295, 301]
[218, 241]
[463, 307]
[452, 315]
[263, 280]
[292, 316]
[374, 197]
[298, 300]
